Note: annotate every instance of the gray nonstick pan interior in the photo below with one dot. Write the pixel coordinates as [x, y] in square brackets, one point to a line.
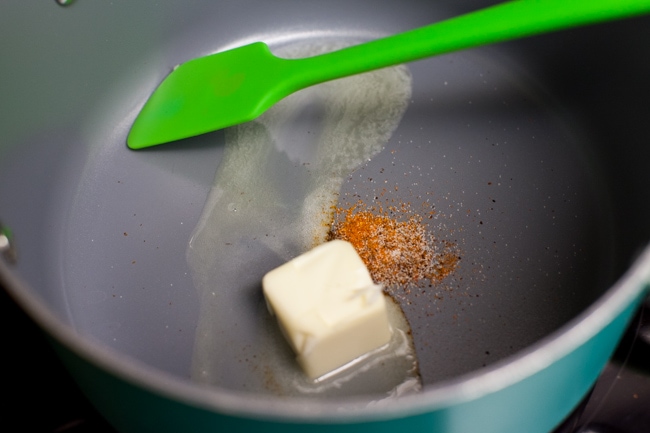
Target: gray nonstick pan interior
[531, 183]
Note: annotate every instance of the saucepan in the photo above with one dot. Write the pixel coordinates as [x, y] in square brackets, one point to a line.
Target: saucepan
[525, 163]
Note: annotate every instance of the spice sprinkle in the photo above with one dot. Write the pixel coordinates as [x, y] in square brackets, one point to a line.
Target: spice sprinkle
[397, 251]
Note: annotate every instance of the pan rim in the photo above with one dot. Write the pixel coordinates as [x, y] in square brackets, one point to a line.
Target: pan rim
[629, 288]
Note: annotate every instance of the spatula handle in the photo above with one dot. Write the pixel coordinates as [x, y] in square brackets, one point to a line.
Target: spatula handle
[505, 21]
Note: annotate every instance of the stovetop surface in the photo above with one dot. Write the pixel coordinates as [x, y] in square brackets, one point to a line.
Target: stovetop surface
[619, 402]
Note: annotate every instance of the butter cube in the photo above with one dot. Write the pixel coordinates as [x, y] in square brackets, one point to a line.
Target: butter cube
[328, 307]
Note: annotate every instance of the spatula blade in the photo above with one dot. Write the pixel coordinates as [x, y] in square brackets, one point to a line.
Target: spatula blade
[207, 94]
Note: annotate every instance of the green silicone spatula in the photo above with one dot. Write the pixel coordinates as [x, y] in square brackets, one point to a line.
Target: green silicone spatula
[235, 86]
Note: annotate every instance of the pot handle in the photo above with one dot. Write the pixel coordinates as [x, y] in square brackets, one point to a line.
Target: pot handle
[7, 245]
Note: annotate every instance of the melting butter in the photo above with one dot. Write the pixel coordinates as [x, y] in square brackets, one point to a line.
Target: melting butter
[272, 199]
